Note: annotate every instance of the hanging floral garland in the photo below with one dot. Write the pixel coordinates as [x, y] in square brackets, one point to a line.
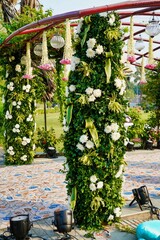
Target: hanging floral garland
[151, 63]
[130, 51]
[19, 109]
[143, 78]
[67, 55]
[95, 135]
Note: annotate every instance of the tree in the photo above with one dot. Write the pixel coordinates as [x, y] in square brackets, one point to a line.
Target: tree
[151, 94]
[9, 9]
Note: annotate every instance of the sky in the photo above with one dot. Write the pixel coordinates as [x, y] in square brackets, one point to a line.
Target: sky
[63, 6]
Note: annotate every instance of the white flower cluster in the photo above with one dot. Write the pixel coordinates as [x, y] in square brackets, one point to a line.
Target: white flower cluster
[111, 20]
[18, 68]
[93, 94]
[95, 184]
[84, 142]
[16, 128]
[10, 151]
[113, 129]
[29, 118]
[120, 85]
[69, 89]
[24, 158]
[26, 87]
[65, 127]
[117, 213]
[16, 104]
[10, 86]
[8, 115]
[25, 141]
[78, 30]
[90, 53]
[75, 61]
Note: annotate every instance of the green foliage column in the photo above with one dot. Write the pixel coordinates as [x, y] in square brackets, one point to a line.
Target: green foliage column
[19, 107]
[94, 123]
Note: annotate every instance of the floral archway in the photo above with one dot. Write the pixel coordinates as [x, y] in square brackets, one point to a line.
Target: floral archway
[94, 123]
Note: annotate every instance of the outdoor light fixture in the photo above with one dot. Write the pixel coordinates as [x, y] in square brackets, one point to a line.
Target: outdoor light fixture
[20, 226]
[153, 28]
[38, 49]
[139, 45]
[63, 221]
[57, 41]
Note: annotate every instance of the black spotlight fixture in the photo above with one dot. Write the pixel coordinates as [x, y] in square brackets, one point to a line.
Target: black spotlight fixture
[63, 221]
[20, 226]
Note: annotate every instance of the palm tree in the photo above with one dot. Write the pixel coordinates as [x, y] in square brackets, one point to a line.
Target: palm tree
[9, 7]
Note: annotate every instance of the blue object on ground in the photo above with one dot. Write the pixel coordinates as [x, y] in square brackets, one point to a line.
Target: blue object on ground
[149, 230]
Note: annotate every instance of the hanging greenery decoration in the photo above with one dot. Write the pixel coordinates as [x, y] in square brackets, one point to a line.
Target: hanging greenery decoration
[94, 123]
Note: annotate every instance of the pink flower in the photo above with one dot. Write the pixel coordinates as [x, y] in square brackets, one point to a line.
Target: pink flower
[28, 76]
[142, 82]
[131, 59]
[65, 61]
[47, 67]
[150, 66]
[65, 79]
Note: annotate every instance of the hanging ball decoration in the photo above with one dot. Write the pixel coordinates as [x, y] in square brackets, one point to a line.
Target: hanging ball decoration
[57, 41]
[152, 28]
[38, 50]
[139, 45]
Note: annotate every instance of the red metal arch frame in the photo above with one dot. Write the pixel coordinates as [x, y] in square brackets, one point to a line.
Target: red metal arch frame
[145, 8]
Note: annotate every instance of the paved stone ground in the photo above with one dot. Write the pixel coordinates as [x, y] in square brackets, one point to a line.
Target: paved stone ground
[45, 230]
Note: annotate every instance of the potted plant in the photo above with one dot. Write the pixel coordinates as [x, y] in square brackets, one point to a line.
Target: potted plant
[46, 140]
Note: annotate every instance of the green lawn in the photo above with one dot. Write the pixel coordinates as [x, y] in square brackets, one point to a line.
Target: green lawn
[52, 122]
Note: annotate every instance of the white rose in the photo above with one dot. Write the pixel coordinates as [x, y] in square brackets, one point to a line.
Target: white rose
[118, 83]
[80, 146]
[107, 129]
[83, 138]
[99, 49]
[115, 136]
[97, 93]
[91, 42]
[122, 91]
[93, 178]
[100, 185]
[91, 98]
[92, 187]
[114, 127]
[111, 20]
[89, 144]
[110, 218]
[117, 212]
[89, 90]
[14, 103]
[90, 53]
[72, 88]
[18, 68]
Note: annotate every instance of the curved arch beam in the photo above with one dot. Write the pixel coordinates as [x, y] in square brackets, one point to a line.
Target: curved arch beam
[85, 12]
